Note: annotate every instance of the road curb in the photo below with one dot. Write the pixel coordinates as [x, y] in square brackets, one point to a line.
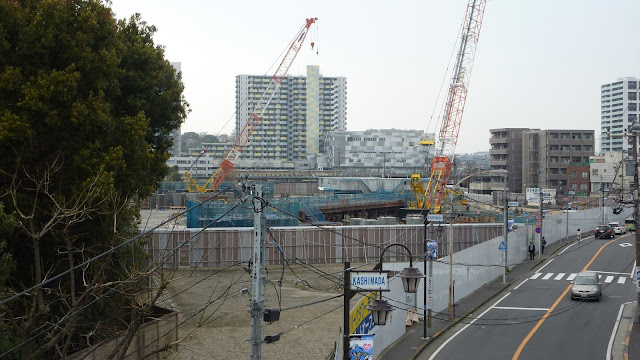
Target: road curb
[455, 322]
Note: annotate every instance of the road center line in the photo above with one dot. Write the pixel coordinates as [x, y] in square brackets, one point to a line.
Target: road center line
[519, 308]
[433, 356]
[555, 304]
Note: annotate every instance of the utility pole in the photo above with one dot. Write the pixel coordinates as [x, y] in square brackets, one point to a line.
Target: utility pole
[541, 222]
[259, 277]
[424, 267]
[602, 200]
[636, 209]
[506, 229]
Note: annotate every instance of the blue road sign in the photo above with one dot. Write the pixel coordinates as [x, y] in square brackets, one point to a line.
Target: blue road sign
[502, 247]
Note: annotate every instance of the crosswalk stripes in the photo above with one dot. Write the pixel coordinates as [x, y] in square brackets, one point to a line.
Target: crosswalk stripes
[559, 277]
[622, 278]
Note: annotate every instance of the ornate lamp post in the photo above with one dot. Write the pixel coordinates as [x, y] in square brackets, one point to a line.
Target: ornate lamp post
[410, 276]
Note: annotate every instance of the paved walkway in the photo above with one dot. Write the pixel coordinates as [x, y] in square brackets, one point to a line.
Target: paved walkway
[412, 343]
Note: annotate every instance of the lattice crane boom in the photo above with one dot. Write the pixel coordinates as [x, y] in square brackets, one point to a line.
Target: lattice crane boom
[243, 137]
[453, 110]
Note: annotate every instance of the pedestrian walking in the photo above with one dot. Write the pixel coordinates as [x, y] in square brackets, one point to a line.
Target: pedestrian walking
[579, 234]
[542, 244]
[532, 250]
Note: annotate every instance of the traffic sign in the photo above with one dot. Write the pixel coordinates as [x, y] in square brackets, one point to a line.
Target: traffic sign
[435, 218]
[538, 216]
[512, 204]
[502, 246]
[538, 230]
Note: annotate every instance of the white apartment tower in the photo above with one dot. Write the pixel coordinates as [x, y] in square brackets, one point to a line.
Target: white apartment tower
[302, 111]
[618, 110]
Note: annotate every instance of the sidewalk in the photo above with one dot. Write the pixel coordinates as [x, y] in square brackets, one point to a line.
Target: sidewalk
[411, 344]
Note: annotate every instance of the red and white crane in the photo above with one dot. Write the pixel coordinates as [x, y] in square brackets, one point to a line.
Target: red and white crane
[432, 197]
[243, 137]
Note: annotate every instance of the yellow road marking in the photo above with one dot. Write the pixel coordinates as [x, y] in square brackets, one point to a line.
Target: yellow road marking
[546, 315]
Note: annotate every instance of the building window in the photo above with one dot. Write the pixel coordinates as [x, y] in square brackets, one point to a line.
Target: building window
[633, 107]
[632, 85]
[574, 187]
[583, 187]
[594, 171]
[633, 95]
[574, 174]
[584, 174]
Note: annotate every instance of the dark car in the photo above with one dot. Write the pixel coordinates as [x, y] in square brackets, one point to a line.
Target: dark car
[604, 232]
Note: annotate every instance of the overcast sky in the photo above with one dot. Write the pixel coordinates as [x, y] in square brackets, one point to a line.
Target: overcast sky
[539, 64]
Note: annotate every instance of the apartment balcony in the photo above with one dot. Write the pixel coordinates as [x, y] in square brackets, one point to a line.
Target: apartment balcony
[498, 151]
[498, 140]
[493, 162]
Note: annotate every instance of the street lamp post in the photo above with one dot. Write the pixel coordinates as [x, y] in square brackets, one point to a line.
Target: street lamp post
[380, 308]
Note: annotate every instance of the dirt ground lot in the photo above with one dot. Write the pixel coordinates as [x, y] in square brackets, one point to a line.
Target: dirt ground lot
[223, 328]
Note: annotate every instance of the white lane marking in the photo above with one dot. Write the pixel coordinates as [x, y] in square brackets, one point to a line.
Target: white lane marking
[519, 308]
[523, 281]
[621, 280]
[433, 356]
[608, 279]
[633, 270]
[571, 277]
[535, 276]
[546, 277]
[599, 276]
[567, 248]
[606, 272]
[559, 276]
[545, 265]
[625, 245]
[615, 329]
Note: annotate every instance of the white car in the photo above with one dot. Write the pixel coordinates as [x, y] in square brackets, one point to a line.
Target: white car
[617, 229]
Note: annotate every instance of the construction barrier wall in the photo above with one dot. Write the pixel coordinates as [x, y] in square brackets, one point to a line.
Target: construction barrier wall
[220, 247]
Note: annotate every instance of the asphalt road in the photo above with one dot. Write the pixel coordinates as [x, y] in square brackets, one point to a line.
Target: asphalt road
[536, 319]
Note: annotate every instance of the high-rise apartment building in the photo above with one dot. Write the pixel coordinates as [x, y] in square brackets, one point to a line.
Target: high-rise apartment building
[506, 154]
[373, 152]
[618, 110]
[293, 126]
[547, 155]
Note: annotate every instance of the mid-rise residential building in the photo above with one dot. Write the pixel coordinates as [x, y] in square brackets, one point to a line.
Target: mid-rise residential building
[578, 178]
[294, 125]
[506, 154]
[547, 154]
[384, 152]
[619, 108]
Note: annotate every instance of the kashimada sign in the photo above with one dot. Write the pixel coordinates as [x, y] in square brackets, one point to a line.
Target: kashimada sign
[548, 196]
[369, 281]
